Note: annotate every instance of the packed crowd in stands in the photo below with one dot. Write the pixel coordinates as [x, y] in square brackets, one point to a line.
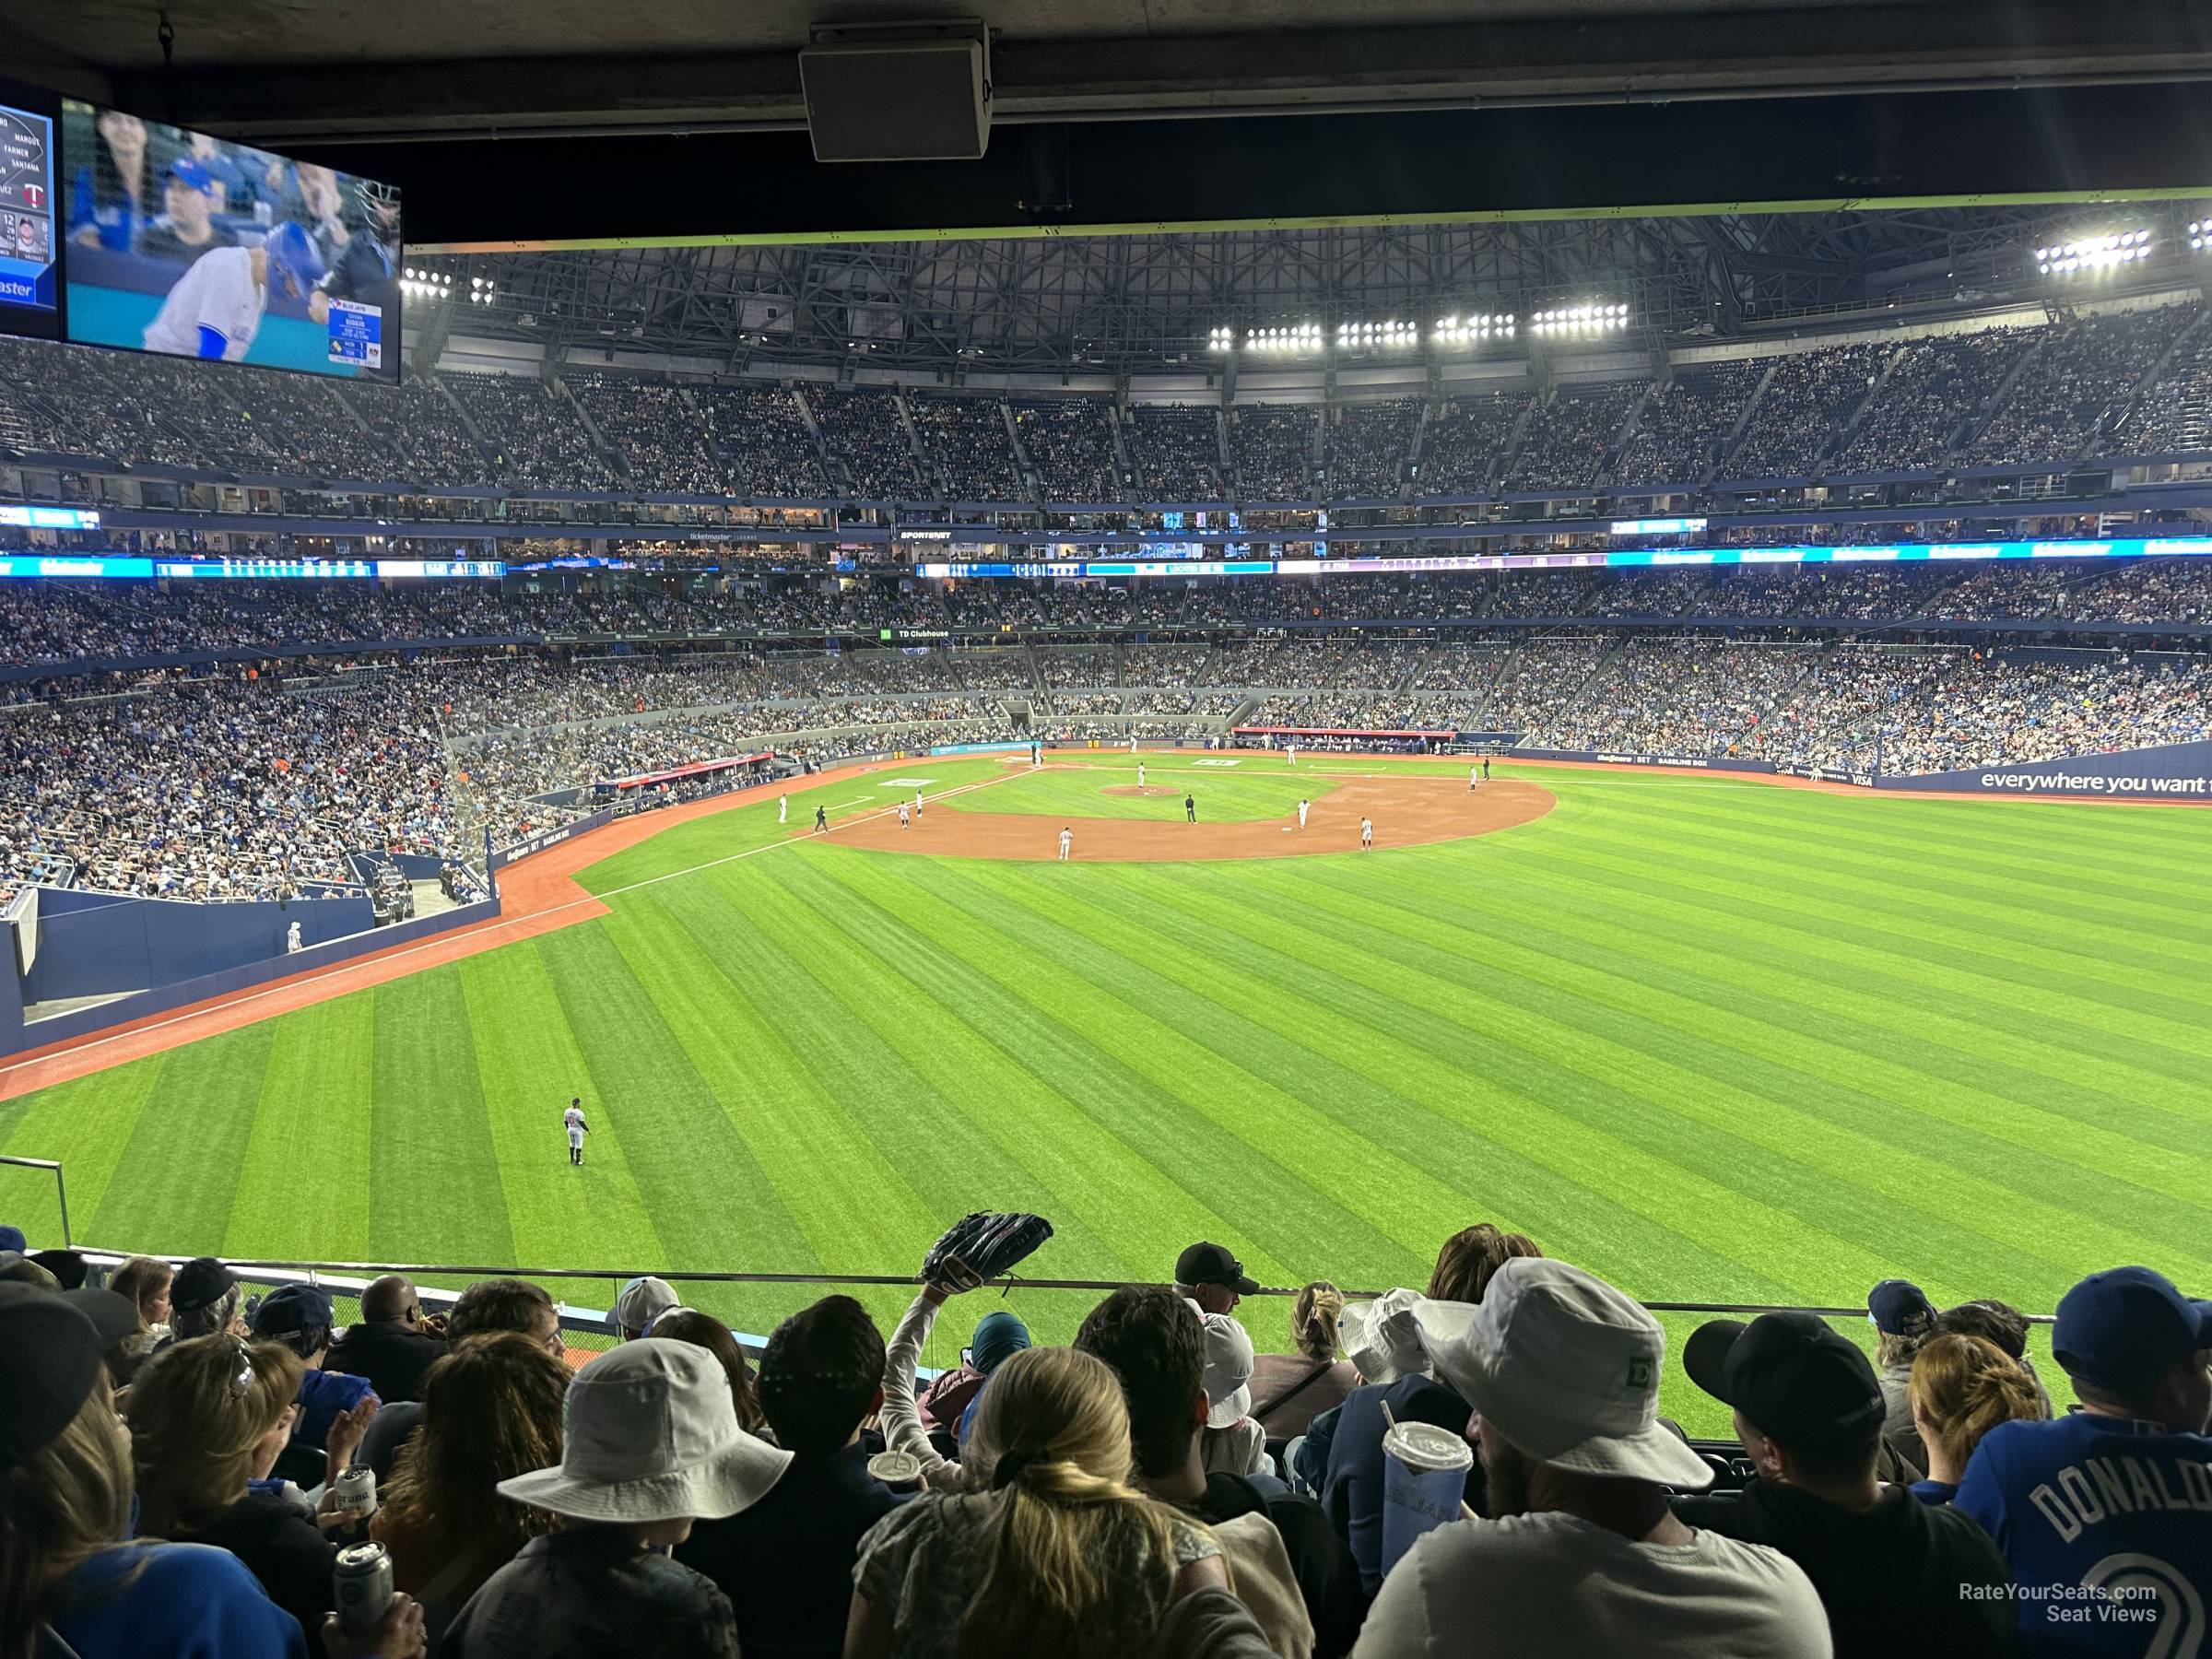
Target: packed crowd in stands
[1176, 448]
[865, 431]
[1367, 446]
[965, 438]
[1682, 425]
[1907, 405]
[1568, 436]
[2082, 372]
[1803, 408]
[1272, 448]
[1466, 439]
[1677, 697]
[763, 441]
[1069, 441]
[189, 1465]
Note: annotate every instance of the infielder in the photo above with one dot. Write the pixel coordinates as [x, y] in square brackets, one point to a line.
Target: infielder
[1292, 750]
[578, 1129]
[1068, 839]
[1302, 813]
[782, 808]
[902, 815]
[1473, 778]
[917, 806]
[1036, 755]
[214, 309]
[1140, 774]
[1367, 832]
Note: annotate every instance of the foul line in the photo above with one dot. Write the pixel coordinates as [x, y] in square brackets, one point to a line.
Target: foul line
[292, 987]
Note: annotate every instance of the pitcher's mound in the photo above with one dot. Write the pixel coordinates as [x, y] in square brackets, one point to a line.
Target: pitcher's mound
[1405, 811]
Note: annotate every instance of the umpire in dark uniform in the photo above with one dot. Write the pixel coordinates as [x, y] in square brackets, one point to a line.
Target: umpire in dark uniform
[1190, 808]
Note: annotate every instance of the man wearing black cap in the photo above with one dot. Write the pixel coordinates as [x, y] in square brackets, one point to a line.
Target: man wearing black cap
[203, 1299]
[1212, 1277]
[2105, 1514]
[1896, 1575]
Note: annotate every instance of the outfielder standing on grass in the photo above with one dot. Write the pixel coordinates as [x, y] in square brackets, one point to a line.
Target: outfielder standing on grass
[782, 808]
[578, 1129]
[1140, 774]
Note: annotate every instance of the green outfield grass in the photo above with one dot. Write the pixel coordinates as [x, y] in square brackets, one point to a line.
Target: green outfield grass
[1716, 1040]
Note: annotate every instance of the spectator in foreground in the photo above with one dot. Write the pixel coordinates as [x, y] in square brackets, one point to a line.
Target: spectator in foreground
[1061, 1557]
[2110, 1506]
[493, 1305]
[786, 1561]
[1578, 1553]
[642, 1301]
[65, 1494]
[490, 1410]
[1903, 1318]
[1998, 1323]
[298, 1317]
[1892, 1572]
[1211, 1276]
[204, 1302]
[145, 1281]
[1287, 1563]
[1350, 1457]
[1232, 1442]
[390, 1347]
[947, 1403]
[703, 1330]
[208, 1418]
[1963, 1387]
[652, 1444]
[1289, 1390]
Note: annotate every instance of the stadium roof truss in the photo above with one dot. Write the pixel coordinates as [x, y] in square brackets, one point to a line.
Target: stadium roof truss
[1136, 303]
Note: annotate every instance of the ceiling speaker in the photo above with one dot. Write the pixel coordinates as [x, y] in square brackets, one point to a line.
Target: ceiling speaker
[898, 91]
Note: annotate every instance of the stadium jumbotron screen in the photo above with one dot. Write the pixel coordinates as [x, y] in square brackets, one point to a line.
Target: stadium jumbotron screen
[27, 301]
[182, 243]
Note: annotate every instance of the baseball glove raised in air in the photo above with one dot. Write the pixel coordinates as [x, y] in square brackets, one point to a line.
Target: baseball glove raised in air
[981, 1246]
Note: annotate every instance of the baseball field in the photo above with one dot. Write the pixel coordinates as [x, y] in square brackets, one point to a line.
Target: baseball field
[1718, 1041]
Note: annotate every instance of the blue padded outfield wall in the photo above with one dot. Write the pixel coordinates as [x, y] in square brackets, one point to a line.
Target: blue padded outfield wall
[2174, 771]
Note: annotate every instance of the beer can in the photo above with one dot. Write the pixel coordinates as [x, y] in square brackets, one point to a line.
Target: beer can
[360, 1587]
[355, 1492]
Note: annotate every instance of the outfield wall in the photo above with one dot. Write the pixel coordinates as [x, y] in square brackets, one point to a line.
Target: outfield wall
[113, 930]
[2174, 772]
[1622, 758]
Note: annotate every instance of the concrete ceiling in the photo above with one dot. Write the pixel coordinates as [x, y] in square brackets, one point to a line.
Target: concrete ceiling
[298, 70]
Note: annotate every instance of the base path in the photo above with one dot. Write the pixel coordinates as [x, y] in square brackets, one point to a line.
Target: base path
[1409, 811]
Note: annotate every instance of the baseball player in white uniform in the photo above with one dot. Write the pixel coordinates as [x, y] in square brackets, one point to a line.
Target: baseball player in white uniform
[1367, 832]
[1302, 807]
[214, 310]
[903, 823]
[917, 806]
[1475, 776]
[578, 1129]
[1140, 774]
[1293, 751]
[782, 808]
[1068, 839]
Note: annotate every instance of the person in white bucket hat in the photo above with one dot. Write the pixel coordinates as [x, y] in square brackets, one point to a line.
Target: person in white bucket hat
[1233, 1444]
[1580, 1553]
[650, 1442]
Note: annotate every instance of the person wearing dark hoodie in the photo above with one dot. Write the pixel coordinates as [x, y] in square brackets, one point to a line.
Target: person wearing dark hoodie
[1896, 1575]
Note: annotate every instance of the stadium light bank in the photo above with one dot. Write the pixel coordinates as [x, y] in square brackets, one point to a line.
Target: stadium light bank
[2107, 251]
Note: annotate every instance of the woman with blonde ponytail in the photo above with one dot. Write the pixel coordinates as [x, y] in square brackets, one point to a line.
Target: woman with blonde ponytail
[1062, 1556]
[1961, 1388]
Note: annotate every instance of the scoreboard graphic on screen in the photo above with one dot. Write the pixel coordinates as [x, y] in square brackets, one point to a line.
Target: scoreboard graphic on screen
[27, 238]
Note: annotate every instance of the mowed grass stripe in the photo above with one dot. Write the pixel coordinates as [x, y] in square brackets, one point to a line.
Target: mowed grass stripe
[433, 1172]
[171, 1189]
[1744, 1128]
[850, 1201]
[987, 1124]
[303, 1183]
[1413, 938]
[1194, 1115]
[1654, 1183]
[1602, 954]
[739, 1063]
[1053, 1102]
[1840, 937]
[1857, 1127]
[692, 1172]
[1580, 1093]
[529, 1067]
[93, 1117]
